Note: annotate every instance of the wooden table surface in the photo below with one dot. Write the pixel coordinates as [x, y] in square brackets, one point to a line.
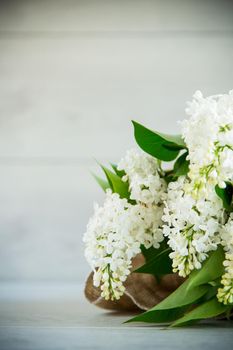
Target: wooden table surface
[58, 317]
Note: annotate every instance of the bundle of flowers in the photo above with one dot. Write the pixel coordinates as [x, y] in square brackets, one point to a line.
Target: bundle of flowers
[172, 202]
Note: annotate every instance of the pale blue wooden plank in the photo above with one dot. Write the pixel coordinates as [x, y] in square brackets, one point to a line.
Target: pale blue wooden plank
[206, 337]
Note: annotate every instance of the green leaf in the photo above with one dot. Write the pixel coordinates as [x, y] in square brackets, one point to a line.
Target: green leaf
[181, 166]
[159, 316]
[117, 185]
[160, 264]
[211, 308]
[169, 177]
[180, 298]
[120, 173]
[211, 269]
[191, 291]
[149, 253]
[226, 195]
[103, 183]
[161, 146]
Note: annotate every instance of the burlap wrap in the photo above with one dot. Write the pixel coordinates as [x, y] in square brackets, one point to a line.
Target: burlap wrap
[142, 291]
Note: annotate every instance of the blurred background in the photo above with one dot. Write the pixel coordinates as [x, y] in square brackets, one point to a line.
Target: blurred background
[72, 76]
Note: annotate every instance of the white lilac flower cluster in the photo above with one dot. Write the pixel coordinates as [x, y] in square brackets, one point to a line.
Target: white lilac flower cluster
[195, 222]
[111, 244]
[208, 134]
[191, 225]
[225, 294]
[144, 175]
[118, 228]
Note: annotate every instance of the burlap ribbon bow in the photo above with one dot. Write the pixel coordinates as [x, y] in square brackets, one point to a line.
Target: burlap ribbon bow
[142, 291]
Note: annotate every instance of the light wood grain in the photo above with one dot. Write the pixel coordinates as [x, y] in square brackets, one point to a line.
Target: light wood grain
[57, 317]
[44, 211]
[76, 98]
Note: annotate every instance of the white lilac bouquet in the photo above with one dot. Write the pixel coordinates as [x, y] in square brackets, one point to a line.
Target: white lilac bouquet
[178, 215]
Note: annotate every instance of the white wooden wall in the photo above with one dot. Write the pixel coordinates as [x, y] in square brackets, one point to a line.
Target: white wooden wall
[72, 76]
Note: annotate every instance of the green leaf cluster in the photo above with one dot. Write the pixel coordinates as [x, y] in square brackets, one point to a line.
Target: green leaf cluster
[194, 300]
[163, 147]
[158, 262]
[113, 181]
